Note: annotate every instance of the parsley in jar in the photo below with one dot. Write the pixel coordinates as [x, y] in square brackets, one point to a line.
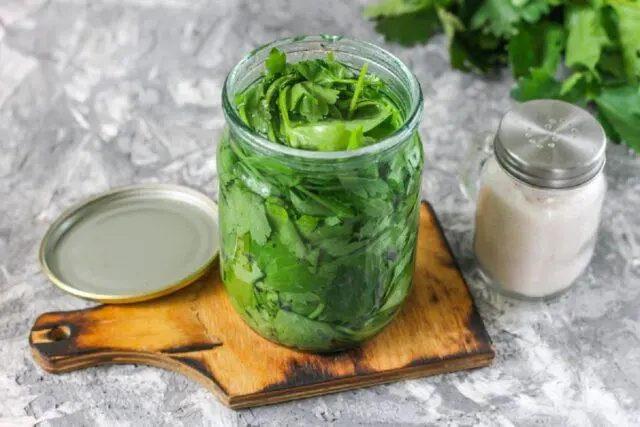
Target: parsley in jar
[319, 171]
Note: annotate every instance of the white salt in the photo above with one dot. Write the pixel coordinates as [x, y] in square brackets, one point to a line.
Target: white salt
[534, 242]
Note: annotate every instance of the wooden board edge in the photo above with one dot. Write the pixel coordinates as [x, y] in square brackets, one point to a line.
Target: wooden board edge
[475, 322]
[449, 365]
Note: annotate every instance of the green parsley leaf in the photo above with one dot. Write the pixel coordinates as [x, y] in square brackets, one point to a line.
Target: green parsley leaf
[276, 62]
[533, 11]
[537, 46]
[246, 214]
[498, 17]
[475, 51]
[570, 83]
[409, 29]
[539, 83]
[629, 29]
[612, 64]
[396, 8]
[601, 48]
[621, 108]
[312, 100]
[587, 36]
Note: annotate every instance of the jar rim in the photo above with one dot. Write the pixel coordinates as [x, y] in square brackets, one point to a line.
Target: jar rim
[401, 134]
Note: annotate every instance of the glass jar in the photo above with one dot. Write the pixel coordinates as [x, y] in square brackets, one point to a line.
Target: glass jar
[318, 248]
[540, 188]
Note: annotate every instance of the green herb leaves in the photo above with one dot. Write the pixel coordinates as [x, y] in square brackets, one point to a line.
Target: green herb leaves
[318, 258]
[319, 105]
[311, 100]
[249, 214]
[536, 47]
[587, 36]
[276, 62]
[596, 41]
[628, 14]
[620, 107]
[497, 17]
[324, 261]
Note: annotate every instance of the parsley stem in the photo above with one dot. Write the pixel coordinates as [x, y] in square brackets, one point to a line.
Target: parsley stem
[317, 312]
[284, 111]
[277, 86]
[357, 90]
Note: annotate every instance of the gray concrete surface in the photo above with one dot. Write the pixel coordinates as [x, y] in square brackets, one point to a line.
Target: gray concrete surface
[100, 93]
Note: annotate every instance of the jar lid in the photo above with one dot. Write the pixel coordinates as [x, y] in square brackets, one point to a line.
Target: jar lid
[550, 144]
[132, 244]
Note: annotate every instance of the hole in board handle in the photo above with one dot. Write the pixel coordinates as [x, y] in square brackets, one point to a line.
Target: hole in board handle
[59, 333]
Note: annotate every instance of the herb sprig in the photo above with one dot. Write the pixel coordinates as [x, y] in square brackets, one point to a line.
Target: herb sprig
[593, 44]
[319, 105]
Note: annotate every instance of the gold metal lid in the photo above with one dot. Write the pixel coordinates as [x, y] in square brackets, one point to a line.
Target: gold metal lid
[132, 244]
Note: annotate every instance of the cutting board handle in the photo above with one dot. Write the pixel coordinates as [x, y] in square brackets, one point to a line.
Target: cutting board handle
[52, 343]
[67, 341]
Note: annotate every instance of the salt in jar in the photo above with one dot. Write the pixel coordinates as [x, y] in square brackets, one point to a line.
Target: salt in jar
[539, 190]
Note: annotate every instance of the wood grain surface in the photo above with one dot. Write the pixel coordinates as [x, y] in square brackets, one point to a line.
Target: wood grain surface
[196, 332]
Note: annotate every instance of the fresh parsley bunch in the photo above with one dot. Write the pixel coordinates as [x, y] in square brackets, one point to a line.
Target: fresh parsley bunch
[586, 52]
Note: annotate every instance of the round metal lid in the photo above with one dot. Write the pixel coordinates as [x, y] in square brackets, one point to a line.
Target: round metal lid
[132, 244]
[549, 143]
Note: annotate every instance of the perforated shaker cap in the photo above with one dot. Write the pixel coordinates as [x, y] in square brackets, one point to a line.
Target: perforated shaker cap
[550, 144]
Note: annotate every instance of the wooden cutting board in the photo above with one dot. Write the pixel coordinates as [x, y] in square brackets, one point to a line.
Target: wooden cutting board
[196, 332]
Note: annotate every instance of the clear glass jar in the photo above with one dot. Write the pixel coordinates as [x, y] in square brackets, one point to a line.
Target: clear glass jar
[540, 187]
[318, 248]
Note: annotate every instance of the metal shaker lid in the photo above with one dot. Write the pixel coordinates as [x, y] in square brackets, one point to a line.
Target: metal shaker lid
[550, 144]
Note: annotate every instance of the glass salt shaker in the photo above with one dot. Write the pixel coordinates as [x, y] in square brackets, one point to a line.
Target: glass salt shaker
[539, 187]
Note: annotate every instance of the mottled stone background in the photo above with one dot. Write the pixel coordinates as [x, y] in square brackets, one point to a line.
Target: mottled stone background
[101, 93]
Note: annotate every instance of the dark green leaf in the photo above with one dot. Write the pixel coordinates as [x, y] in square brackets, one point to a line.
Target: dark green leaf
[534, 10]
[569, 84]
[629, 30]
[537, 46]
[601, 48]
[308, 334]
[283, 270]
[388, 8]
[612, 64]
[305, 205]
[410, 28]
[474, 51]
[621, 107]
[537, 85]
[608, 128]
[498, 17]
[285, 229]
[247, 214]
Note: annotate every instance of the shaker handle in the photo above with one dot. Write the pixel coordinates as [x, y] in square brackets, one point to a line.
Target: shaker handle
[477, 152]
